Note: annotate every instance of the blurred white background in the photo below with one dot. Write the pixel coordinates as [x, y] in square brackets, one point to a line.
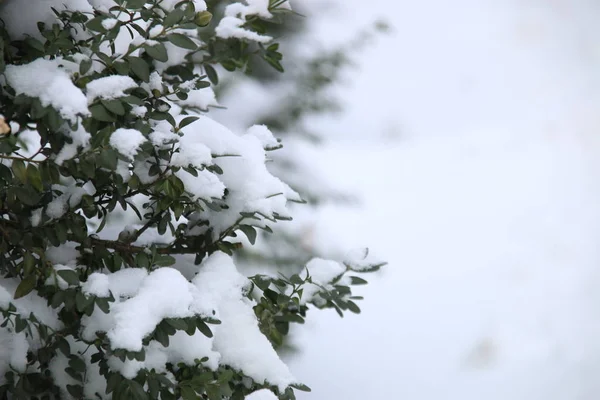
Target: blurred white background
[472, 134]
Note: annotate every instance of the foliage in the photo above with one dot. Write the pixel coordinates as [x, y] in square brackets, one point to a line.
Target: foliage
[140, 146]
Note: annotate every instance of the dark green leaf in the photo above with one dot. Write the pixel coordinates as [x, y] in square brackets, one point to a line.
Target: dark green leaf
[182, 41]
[212, 74]
[158, 52]
[250, 232]
[70, 276]
[20, 170]
[114, 106]
[100, 113]
[140, 68]
[25, 286]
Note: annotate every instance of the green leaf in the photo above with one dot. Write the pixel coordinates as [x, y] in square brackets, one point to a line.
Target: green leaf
[26, 195]
[112, 382]
[202, 327]
[25, 287]
[250, 232]
[186, 121]
[173, 18]
[20, 324]
[85, 66]
[157, 52]
[177, 323]
[142, 260]
[300, 386]
[103, 304]
[34, 177]
[95, 24]
[182, 41]
[63, 345]
[140, 68]
[164, 260]
[70, 276]
[100, 113]
[114, 106]
[75, 390]
[20, 170]
[213, 77]
[353, 307]
[137, 390]
[77, 364]
[108, 159]
[355, 280]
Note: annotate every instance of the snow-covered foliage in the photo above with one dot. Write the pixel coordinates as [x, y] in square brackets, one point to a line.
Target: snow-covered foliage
[121, 204]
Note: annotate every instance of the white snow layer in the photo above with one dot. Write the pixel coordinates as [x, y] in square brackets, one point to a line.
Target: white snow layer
[127, 141]
[144, 299]
[263, 394]
[50, 83]
[238, 338]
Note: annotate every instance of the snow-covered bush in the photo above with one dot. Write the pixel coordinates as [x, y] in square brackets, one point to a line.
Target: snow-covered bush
[289, 105]
[103, 117]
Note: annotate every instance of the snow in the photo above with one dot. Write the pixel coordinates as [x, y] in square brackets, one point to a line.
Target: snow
[70, 196]
[127, 141]
[32, 303]
[20, 347]
[262, 133]
[322, 273]
[199, 5]
[474, 148]
[80, 142]
[231, 27]
[109, 87]
[238, 338]
[109, 23]
[164, 293]
[97, 285]
[263, 394]
[200, 98]
[251, 186]
[45, 80]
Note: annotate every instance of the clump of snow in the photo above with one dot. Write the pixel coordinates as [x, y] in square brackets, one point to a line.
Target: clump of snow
[109, 87]
[360, 260]
[169, 5]
[156, 81]
[70, 197]
[80, 139]
[97, 285]
[204, 186]
[18, 358]
[238, 338]
[36, 217]
[263, 394]
[109, 23]
[200, 98]
[251, 186]
[191, 152]
[164, 293]
[231, 26]
[50, 83]
[32, 303]
[322, 273]
[155, 31]
[262, 133]
[127, 141]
